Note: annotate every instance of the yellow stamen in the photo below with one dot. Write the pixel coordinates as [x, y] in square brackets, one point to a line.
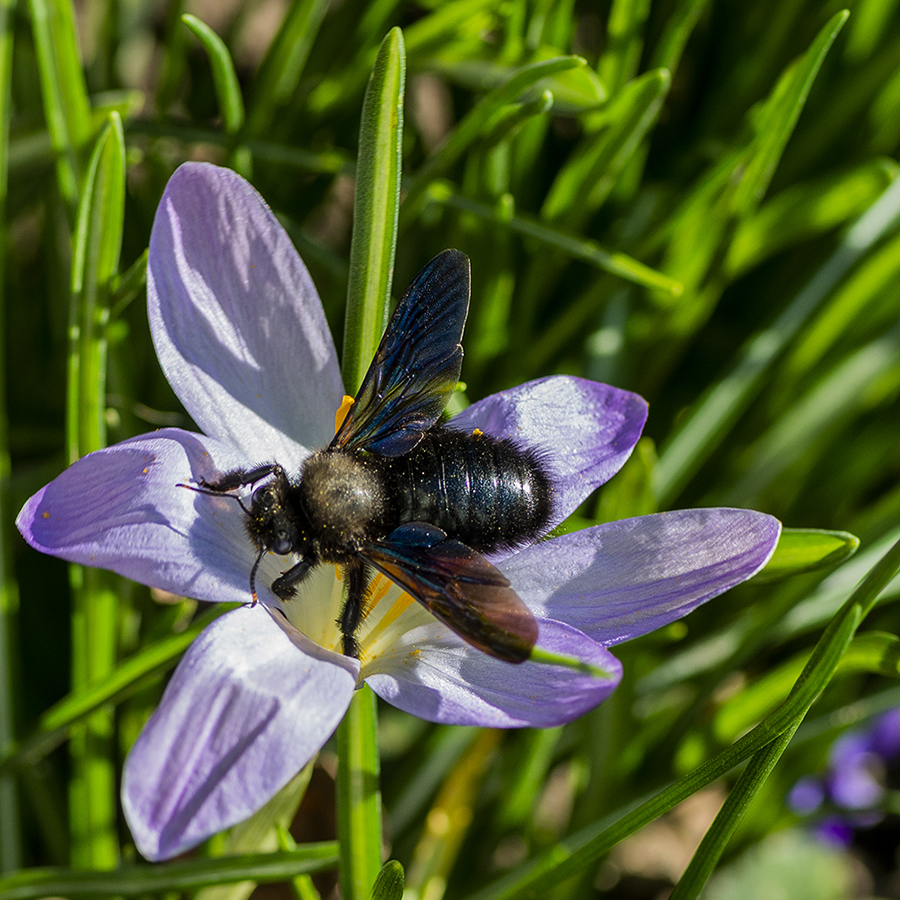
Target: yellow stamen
[378, 590]
[341, 414]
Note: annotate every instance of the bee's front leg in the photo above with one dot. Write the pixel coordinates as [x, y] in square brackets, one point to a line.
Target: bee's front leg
[285, 585]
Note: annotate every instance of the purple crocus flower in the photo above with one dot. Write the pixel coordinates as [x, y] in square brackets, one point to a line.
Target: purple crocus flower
[242, 338]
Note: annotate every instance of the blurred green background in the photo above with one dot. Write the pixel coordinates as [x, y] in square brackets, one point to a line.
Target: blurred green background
[699, 209]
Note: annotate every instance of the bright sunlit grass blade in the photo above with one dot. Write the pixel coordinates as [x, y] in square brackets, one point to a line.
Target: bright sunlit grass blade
[863, 380]
[806, 210]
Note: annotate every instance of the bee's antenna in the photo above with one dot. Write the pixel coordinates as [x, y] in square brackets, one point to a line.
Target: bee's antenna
[212, 493]
[253, 577]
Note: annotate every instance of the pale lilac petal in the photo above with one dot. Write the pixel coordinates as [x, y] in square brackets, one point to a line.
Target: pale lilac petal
[449, 682]
[585, 430]
[622, 579]
[246, 709]
[121, 509]
[237, 324]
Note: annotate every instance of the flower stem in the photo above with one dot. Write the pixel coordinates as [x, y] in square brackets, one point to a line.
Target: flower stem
[359, 797]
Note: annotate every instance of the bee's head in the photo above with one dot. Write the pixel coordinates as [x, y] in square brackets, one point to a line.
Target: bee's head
[271, 522]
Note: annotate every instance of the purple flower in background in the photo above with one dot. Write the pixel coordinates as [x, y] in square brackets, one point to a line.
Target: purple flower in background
[242, 338]
[855, 785]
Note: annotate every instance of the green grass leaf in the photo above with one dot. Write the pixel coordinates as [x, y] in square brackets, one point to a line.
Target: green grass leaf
[375, 210]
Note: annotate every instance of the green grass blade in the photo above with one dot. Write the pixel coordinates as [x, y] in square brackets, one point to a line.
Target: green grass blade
[704, 426]
[281, 69]
[65, 98]
[187, 875]
[873, 652]
[228, 90]
[98, 241]
[375, 210]
[850, 390]
[585, 181]
[729, 817]
[780, 114]
[678, 28]
[805, 210]
[476, 121]
[624, 43]
[807, 549]
[588, 251]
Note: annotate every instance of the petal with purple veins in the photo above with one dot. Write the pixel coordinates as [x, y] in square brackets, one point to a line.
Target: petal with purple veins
[247, 708]
[585, 430]
[444, 680]
[237, 323]
[122, 509]
[622, 579]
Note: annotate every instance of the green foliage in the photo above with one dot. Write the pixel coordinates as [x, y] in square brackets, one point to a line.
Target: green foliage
[695, 200]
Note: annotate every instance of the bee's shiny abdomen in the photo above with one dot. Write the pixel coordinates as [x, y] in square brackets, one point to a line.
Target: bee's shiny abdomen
[485, 492]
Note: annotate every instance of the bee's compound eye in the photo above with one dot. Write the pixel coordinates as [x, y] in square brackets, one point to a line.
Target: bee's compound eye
[260, 494]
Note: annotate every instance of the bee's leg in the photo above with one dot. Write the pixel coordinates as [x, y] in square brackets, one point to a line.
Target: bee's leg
[285, 585]
[240, 478]
[357, 578]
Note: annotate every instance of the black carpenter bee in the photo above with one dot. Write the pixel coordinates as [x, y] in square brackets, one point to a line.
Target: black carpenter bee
[398, 492]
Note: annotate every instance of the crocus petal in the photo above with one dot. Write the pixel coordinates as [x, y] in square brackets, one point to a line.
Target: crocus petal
[622, 579]
[585, 430]
[122, 509]
[238, 326]
[447, 681]
[247, 708]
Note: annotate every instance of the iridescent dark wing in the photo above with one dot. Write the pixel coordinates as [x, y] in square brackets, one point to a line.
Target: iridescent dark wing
[458, 586]
[417, 363]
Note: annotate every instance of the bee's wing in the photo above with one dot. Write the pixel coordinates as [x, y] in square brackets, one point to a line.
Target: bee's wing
[417, 363]
[459, 586]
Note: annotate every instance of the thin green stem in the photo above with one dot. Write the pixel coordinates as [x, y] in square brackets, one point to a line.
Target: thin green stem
[359, 797]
